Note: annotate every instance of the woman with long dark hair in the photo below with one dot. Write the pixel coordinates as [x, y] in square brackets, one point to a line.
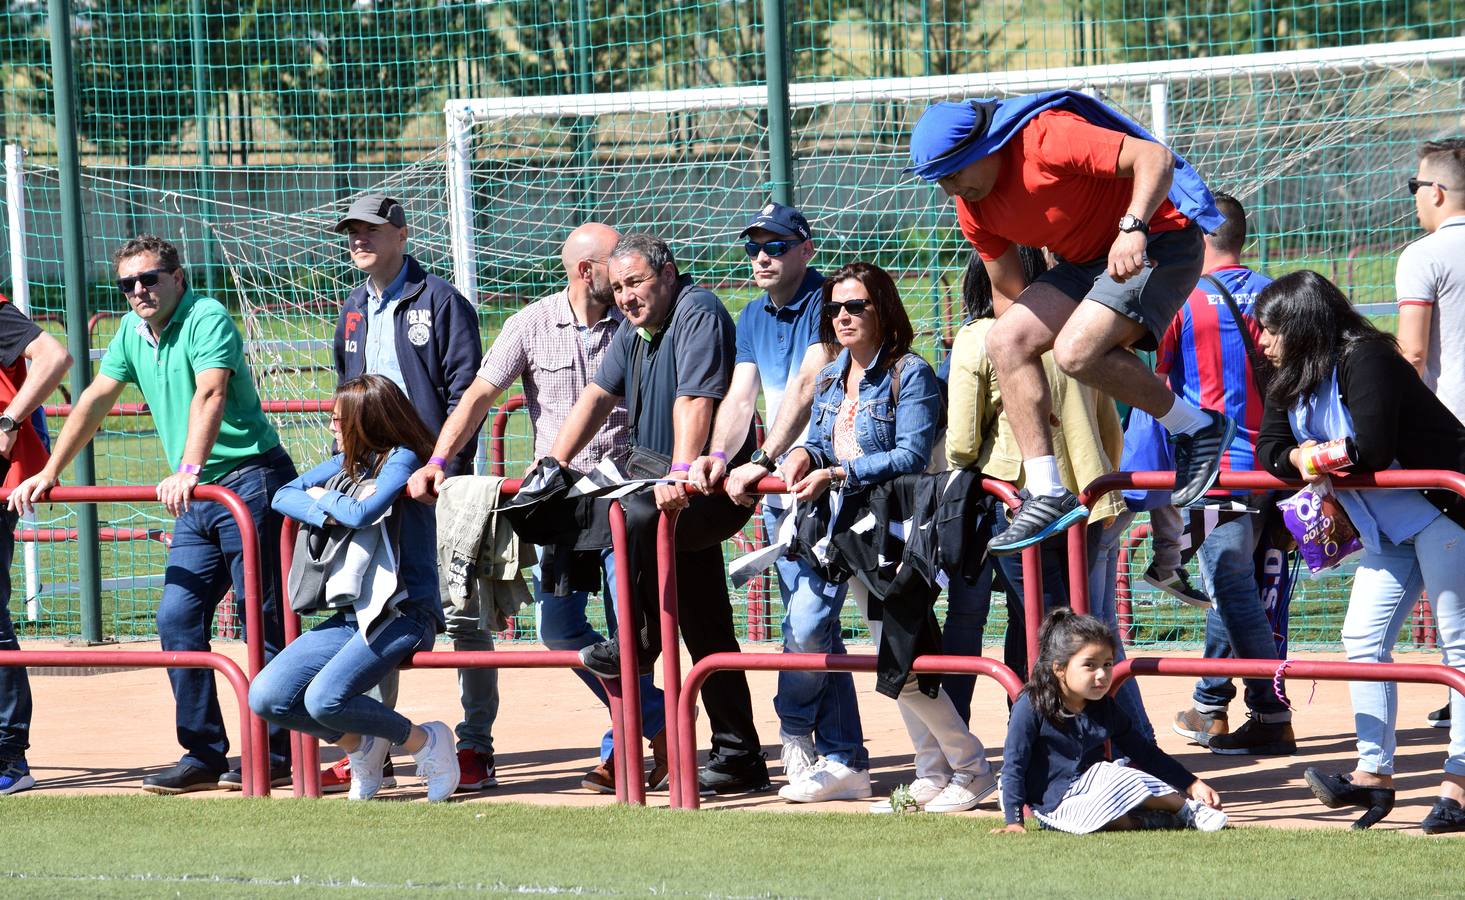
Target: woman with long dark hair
[1337, 376]
[381, 578]
[874, 419]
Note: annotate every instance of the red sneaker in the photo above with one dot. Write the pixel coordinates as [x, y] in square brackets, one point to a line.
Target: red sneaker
[476, 771]
[337, 779]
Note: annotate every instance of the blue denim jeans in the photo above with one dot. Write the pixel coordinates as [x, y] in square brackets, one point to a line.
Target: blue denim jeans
[1236, 623]
[821, 704]
[967, 608]
[1385, 588]
[207, 559]
[15, 686]
[1103, 549]
[318, 684]
[563, 626]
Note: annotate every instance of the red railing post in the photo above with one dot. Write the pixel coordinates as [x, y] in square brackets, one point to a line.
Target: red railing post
[498, 431]
[671, 654]
[630, 761]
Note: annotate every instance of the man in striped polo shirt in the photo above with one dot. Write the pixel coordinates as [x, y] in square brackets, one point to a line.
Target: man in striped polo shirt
[778, 350]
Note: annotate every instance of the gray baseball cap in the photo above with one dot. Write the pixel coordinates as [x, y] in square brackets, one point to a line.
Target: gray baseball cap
[374, 209]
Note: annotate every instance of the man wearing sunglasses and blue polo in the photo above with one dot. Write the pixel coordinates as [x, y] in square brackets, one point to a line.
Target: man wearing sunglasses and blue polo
[185, 354]
[778, 350]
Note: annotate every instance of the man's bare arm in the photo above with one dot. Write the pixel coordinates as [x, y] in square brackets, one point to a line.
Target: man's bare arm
[584, 420]
[735, 413]
[1414, 324]
[797, 403]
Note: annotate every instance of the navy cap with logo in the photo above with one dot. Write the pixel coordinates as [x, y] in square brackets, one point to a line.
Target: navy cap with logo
[374, 209]
[781, 220]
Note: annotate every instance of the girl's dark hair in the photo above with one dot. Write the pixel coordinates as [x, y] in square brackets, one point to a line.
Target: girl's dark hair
[1063, 634]
[375, 417]
[897, 335]
[976, 284]
[1318, 327]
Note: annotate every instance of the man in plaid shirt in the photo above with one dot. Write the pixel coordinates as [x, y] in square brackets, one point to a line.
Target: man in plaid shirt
[555, 346]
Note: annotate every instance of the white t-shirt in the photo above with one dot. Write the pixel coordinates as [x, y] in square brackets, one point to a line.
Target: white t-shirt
[1432, 271]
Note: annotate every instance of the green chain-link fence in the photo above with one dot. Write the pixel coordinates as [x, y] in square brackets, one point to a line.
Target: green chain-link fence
[237, 128]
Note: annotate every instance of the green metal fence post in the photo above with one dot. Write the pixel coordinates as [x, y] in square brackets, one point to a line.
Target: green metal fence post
[197, 36]
[584, 62]
[73, 247]
[780, 141]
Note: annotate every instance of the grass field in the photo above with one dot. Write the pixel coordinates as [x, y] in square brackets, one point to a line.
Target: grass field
[150, 847]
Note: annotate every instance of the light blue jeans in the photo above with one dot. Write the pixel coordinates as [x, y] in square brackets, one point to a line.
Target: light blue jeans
[1385, 589]
[318, 683]
[821, 704]
[563, 626]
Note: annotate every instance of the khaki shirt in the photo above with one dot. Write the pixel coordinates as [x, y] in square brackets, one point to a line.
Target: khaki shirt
[1088, 441]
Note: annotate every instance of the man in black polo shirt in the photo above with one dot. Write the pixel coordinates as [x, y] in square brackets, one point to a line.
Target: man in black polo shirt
[672, 360]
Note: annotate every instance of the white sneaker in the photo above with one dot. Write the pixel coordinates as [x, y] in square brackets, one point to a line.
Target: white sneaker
[1197, 815]
[798, 756]
[827, 780]
[437, 763]
[964, 791]
[923, 791]
[366, 767]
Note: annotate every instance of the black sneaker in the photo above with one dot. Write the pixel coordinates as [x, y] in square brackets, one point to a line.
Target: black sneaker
[1256, 738]
[233, 780]
[182, 779]
[1447, 816]
[1440, 718]
[1177, 584]
[602, 659]
[741, 775]
[1038, 519]
[1337, 791]
[1198, 458]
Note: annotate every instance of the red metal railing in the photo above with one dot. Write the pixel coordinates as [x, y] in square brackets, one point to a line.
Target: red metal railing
[681, 697]
[498, 432]
[254, 754]
[1319, 670]
[624, 693]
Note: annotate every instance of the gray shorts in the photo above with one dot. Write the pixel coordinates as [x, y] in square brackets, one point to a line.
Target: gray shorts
[1152, 297]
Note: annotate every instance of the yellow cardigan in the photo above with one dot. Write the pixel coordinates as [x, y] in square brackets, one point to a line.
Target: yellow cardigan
[1088, 441]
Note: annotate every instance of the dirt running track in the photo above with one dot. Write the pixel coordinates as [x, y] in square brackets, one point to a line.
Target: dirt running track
[102, 733]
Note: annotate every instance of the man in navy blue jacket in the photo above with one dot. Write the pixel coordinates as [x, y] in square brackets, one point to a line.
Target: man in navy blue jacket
[416, 329]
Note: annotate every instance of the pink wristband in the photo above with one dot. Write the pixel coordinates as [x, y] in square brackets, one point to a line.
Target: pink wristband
[438, 461]
[189, 469]
[719, 454]
[681, 467]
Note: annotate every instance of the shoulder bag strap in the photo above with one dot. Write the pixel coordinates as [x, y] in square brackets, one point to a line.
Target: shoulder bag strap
[1259, 367]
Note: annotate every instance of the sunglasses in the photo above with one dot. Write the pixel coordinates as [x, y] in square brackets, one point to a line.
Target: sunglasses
[146, 279]
[853, 307]
[1415, 184]
[772, 248]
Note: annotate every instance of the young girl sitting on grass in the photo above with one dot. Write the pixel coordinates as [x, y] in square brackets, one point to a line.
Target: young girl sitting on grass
[1054, 757]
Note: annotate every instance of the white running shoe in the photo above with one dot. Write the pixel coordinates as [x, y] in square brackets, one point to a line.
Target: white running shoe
[1197, 815]
[964, 791]
[366, 767]
[798, 756]
[437, 762]
[827, 780]
[923, 791]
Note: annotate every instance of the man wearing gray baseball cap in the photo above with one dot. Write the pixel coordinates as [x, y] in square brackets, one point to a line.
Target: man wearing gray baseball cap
[416, 329]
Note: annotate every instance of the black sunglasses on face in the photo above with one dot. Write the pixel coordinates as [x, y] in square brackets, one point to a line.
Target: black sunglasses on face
[853, 307]
[772, 248]
[1415, 184]
[146, 279]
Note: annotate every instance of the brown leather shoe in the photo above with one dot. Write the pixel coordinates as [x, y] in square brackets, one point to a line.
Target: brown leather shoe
[659, 776]
[602, 778]
[1200, 726]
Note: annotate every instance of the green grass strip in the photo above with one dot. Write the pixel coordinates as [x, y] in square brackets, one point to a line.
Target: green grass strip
[149, 846]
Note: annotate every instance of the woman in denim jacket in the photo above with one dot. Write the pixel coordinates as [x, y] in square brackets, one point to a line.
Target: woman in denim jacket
[318, 683]
[874, 418]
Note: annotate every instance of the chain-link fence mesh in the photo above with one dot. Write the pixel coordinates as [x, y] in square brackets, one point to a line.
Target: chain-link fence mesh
[238, 128]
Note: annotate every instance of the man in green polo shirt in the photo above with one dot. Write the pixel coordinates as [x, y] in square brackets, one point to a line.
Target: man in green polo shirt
[185, 354]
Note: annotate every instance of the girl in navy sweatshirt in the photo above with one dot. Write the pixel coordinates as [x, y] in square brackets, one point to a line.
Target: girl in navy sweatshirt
[1054, 760]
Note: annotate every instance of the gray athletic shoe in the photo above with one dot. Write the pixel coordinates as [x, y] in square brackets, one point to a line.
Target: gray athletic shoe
[1036, 520]
[1198, 458]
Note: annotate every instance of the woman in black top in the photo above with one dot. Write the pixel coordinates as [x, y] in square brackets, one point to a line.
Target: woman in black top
[1338, 376]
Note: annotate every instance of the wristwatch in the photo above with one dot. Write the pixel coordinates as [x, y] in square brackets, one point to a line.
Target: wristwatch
[1131, 223]
[760, 457]
[8, 424]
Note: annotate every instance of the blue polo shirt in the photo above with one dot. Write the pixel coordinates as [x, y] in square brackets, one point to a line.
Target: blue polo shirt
[776, 339]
